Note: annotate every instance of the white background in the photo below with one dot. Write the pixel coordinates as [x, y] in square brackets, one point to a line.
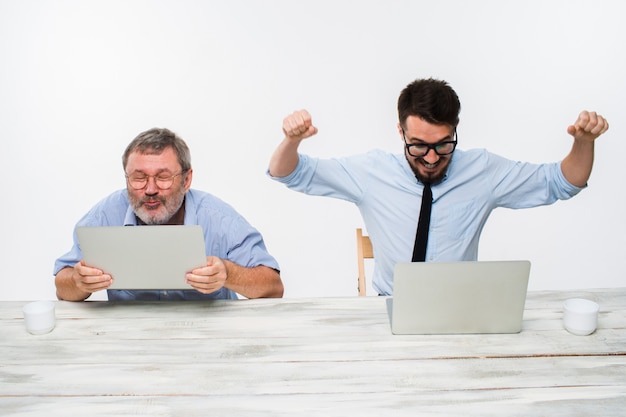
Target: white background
[79, 79]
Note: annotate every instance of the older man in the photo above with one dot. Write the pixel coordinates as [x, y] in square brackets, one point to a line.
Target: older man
[157, 165]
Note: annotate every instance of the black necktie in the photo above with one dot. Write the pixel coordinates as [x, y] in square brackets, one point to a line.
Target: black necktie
[421, 238]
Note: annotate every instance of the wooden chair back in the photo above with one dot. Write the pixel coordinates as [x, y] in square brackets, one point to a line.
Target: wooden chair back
[364, 251]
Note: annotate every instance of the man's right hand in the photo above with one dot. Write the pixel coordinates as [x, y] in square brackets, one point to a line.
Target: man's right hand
[90, 279]
[298, 125]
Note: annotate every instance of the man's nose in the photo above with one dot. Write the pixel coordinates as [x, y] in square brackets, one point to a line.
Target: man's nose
[151, 186]
[431, 156]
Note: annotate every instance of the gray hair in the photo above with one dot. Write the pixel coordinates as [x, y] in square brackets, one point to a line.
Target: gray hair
[155, 141]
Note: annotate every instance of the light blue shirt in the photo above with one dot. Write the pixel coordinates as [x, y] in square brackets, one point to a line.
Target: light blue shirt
[227, 235]
[384, 188]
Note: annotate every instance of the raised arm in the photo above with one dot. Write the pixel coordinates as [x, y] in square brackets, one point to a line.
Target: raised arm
[576, 166]
[296, 127]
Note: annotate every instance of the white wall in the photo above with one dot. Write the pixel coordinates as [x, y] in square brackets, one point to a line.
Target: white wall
[79, 79]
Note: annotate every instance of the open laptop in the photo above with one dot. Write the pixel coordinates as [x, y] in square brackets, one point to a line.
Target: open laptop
[458, 297]
[144, 257]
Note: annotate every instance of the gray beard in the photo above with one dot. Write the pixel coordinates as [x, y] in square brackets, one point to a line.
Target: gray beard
[171, 206]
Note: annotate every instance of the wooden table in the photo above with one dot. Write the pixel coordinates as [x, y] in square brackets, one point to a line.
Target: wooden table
[323, 356]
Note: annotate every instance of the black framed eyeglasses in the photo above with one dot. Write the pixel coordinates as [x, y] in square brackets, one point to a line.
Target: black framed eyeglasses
[139, 181]
[442, 148]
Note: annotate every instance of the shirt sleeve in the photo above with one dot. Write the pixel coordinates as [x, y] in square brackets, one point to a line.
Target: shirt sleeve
[524, 185]
[227, 234]
[340, 178]
[244, 245]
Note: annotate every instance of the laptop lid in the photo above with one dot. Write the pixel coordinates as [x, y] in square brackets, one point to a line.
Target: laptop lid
[144, 257]
[459, 297]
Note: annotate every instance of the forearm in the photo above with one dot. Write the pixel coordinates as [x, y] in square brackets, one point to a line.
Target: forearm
[257, 282]
[285, 158]
[66, 287]
[577, 165]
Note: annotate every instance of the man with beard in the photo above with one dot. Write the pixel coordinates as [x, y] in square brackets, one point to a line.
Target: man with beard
[157, 164]
[466, 185]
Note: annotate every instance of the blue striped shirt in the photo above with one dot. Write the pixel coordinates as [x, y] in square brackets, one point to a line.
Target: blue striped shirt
[227, 235]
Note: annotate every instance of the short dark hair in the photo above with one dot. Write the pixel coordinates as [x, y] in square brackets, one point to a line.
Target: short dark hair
[155, 141]
[433, 101]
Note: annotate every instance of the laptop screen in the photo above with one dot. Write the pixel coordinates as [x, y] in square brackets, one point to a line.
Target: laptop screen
[144, 257]
[459, 297]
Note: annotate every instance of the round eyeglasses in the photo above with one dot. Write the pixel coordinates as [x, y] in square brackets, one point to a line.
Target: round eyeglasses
[442, 148]
[140, 181]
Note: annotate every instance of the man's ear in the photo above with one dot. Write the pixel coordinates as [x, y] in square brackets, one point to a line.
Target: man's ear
[400, 132]
[188, 177]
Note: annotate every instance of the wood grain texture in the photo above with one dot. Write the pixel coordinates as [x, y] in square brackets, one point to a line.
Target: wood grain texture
[324, 356]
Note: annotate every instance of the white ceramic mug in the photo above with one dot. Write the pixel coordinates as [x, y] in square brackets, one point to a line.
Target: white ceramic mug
[39, 317]
[580, 316]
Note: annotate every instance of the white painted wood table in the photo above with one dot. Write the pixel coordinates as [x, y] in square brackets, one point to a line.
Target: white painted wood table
[323, 356]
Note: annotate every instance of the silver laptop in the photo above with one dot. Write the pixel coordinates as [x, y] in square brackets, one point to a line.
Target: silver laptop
[144, 257]
[458, 297]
